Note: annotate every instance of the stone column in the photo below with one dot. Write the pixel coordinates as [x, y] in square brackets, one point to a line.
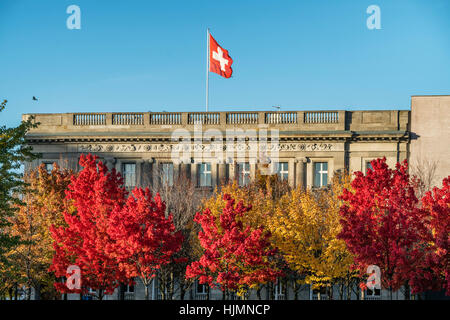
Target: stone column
[213, 173]
[291, 170]
[222, 173]
[194, 173]
[300, 172]
[155, 174]
[185, 170]
[232, 170]
[139, 172]
[109, 162]
[118, 165]
[146, 173]
[252, 171]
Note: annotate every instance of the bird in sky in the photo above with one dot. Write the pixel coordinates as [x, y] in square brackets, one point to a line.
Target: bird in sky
[34, 98]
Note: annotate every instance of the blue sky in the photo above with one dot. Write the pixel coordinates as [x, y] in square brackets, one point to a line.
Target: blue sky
[137, 55]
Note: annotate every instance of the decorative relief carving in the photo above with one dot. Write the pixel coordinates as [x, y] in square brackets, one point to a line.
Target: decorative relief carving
[197, 147]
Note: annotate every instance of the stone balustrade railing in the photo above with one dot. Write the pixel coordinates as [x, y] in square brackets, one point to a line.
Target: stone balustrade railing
[284, 120]
[208, 118]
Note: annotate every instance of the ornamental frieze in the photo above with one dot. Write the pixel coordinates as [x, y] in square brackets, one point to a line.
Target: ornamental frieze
[196, 147]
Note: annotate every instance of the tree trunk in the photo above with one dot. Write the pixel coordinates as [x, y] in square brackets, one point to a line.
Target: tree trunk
[37, 292]
[172, 286]
[341, 290]
[121, 291]
[330, 293]
[349, 289]
[258, 292]
[146, 290]
[100, 294]
[296, 289]
[182, 289]
[407, 291]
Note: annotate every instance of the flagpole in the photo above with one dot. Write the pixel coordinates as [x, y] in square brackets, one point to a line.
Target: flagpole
[207, 67]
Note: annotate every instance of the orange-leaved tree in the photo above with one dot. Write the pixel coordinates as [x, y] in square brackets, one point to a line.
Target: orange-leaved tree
[42, 207]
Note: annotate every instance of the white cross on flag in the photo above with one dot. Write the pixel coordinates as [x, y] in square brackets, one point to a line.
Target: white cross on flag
[219, 60]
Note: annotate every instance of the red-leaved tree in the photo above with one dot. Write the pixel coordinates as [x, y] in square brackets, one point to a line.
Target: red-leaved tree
[93, 194]
[144, 238]
[435, 273]
[235, 257]
[382, 224]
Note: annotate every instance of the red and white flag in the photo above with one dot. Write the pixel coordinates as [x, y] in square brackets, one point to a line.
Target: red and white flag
[219, 59]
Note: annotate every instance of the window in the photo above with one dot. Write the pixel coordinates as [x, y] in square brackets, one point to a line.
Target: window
[167, 174]
[129, 175]
[279, 294]
[201, 288]
[243, 173]
[282, 170]
[90, 294]
[204, 174]
[48, 166]
[322, 292]
[368, 166]
[320, 174]
[128, 289]
[374, 294]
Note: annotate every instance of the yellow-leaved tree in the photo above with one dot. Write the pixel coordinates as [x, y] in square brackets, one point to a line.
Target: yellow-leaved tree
[305, 228]
[43, 207]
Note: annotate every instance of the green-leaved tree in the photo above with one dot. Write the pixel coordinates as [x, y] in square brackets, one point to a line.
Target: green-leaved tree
[13, 153]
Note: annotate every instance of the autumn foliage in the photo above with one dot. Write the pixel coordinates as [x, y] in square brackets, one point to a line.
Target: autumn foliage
[305, 228]
[94, 194]
[235, 257]
[42, 207]
[382, 224]
[243, 238]
[434, 274]
[143, 238]
[111, 236]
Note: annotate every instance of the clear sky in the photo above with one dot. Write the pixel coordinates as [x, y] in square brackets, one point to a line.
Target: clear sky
[136, 55]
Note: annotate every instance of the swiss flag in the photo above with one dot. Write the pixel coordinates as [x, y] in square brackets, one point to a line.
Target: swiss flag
[219, 59]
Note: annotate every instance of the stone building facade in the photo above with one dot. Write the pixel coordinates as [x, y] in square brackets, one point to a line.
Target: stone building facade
[304, 147]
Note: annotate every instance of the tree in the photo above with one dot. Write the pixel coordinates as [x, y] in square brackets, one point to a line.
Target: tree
[381, 223]
[13, 153]
[263, 193]
[423, 176]
[144, 240]
[235, 257]
[93, 195]
[305, 228]
[182, 201]
[43, 207]
[435, 273]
